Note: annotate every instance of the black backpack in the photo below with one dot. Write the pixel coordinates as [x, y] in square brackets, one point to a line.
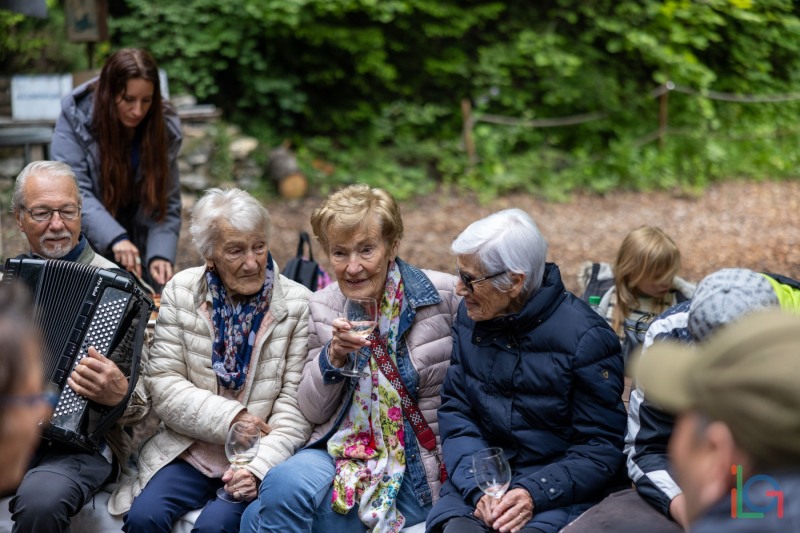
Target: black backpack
[596, 279]
[306, 271]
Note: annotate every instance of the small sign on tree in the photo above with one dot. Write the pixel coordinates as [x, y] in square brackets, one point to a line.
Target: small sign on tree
[86, 20]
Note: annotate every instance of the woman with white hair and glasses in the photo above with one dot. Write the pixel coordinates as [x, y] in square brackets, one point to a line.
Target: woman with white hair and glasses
[229, 346]
[536, 373]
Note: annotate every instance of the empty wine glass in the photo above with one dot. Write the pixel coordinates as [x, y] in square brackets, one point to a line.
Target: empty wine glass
[241, 447]
[362, 313]
[492, 472]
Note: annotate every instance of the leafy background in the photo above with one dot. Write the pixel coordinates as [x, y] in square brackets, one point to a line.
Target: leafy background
[371, 90]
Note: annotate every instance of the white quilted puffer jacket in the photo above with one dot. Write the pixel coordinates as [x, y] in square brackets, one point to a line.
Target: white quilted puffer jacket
[184, 389]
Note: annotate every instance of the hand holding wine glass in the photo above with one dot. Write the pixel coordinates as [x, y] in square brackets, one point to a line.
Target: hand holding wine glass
[362, 315]
[241, 447]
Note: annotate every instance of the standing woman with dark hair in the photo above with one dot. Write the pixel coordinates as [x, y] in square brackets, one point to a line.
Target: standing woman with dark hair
[122, 140]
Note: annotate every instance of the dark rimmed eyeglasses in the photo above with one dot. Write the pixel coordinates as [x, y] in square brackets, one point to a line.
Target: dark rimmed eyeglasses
[42, 214]
[49, 398]
[469, 282]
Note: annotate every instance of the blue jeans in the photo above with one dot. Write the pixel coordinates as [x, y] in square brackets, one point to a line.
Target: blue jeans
[296, 496]
[175, 490]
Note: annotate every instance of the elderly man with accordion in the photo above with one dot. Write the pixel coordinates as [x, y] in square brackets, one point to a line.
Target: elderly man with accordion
[92, 316]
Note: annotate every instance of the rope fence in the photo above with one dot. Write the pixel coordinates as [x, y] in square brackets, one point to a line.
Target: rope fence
[661, 93]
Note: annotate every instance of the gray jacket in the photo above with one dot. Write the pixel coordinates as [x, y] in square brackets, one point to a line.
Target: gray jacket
[74, 144]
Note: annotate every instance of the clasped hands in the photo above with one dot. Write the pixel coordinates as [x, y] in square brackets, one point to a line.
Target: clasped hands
[242, 484]
[343, 342]
[508, 514]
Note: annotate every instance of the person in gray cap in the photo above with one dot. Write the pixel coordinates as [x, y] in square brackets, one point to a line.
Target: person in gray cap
[736, 442]
[657, 500]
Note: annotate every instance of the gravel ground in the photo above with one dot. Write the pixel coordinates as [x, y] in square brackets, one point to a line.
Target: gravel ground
[747, 224]
[753, 225]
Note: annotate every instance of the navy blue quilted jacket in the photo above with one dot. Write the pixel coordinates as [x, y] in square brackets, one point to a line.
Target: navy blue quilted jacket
[545, 385]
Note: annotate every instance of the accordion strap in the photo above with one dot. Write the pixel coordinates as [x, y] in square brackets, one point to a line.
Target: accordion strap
[422, 430]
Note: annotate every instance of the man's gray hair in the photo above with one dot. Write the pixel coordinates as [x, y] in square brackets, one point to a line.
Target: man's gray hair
[50, 168]
[509, 241]
[233, 206]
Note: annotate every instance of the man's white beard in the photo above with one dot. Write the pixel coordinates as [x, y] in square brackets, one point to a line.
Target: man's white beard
[56, 251]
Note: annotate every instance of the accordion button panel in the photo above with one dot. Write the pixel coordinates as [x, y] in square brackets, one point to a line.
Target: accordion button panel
[100, 334]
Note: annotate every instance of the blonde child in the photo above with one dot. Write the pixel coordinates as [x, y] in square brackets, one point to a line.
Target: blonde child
[645, 284]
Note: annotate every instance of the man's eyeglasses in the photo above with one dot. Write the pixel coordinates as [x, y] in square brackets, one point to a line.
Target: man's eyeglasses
[469, 282]
[41, 214]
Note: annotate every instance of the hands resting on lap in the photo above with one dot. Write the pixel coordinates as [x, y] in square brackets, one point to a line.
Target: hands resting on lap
[241, 484]
[508, 514]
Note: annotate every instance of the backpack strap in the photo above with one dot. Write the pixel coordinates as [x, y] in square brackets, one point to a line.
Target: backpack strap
[601, 279]
[304, 240]
[595, 270]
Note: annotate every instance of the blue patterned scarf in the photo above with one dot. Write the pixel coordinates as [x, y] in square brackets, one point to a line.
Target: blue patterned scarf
[235, 328]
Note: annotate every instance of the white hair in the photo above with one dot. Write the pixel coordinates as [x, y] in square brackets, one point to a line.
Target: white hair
[506, 241]
[232, 206]
[52, 169]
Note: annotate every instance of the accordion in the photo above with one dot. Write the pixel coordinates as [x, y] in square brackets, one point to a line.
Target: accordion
[77, 306]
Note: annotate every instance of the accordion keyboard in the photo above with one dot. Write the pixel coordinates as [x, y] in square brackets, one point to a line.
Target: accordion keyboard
[77, 306]
[100, 334]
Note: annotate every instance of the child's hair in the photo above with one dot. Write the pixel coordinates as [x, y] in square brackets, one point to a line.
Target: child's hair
[646, 253]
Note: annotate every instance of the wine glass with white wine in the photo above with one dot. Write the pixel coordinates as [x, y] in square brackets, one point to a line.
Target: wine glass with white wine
[492, 472]
[362, 313]
[241, 447]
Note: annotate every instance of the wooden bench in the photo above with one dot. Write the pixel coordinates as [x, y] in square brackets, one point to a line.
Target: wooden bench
[27, 137]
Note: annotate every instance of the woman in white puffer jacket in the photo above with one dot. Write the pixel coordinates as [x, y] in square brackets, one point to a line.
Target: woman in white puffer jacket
[230, 344]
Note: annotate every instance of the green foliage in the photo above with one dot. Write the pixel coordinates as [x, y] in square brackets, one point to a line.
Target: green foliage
[370, 90]
[30, 44]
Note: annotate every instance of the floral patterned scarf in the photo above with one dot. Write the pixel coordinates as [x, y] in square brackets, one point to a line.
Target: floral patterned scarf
[235, 328]
[368, 446]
